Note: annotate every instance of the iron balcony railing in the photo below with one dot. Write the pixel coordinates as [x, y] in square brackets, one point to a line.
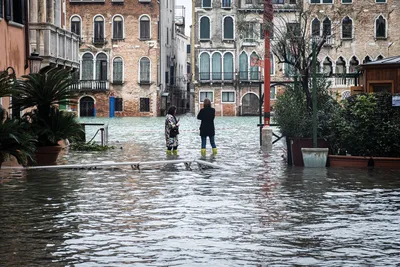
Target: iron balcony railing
[217, 76]
[91, 85]
[230, 76]
[96, 40]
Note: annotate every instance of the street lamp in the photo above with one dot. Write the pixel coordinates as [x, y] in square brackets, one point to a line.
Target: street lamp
[35, 61]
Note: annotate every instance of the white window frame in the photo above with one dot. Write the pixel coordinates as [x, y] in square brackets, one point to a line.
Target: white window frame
[209, 19]
[211, 4]
[233, 64]
[123, 26]
[123, 68]
[150, 35]
[223, 28]
[94, 65]
[228, 91]
[206, 91]
[274, 98]
[104, 25]
[70, 23]
[139, 81]
[352, 29]
[321, 3]
[386, 27]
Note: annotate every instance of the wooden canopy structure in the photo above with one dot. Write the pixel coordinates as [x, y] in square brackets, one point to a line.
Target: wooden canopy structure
[381, 75]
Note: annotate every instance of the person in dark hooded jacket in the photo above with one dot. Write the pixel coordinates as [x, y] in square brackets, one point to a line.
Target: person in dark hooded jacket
[207, 115]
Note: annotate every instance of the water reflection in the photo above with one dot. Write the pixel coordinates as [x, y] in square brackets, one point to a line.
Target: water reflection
[257, 212]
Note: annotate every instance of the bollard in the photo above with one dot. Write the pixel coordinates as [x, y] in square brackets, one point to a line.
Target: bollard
[102, 136]
[266, 138]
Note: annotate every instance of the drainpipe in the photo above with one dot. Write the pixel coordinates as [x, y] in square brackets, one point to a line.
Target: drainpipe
[27, 41]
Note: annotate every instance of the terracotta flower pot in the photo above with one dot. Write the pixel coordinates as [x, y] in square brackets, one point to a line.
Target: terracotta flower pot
[47, 155]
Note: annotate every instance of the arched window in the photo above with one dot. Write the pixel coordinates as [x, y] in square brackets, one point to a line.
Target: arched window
[76, 25]
[366, 59]
[206, 3]
[87, 67]
[380, 27]
[98, 30]
[243, 66]
[118, 28]
[118, 70]
[315, 27]
[353, 65]
[327, 66]
[204, 66]
[144, 28]
[340, 66]
[326, 27]
[204, 28]
[254, 71]
[216, 66]
[228, 66]
[144, 67]
[101, 67]
[228, 28]
[347, 28]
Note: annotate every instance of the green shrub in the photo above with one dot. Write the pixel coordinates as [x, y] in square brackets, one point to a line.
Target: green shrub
[295, 119]
[366, 125]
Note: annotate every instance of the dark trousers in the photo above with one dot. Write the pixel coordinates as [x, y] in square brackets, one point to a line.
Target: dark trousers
[204, 141]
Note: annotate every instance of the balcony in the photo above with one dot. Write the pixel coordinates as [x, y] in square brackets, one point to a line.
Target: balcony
[216, 77]
[329, 40]
[55, 45]
[98, 41]
[251, 76]
[91, 85]
[86, 1]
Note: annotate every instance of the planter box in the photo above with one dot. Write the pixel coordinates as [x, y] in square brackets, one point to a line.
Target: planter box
[348, 161]
[315, 157]
[296, 144]
[384, 162]
[362, 162]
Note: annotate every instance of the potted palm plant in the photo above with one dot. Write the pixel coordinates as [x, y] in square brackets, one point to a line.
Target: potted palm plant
[42, 93]
[15, 141]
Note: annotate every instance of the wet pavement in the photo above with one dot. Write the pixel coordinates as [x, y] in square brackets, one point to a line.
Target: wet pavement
[256, 212]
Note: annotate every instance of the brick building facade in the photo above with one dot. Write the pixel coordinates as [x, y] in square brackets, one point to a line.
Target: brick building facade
[119, 56]
[229, 42]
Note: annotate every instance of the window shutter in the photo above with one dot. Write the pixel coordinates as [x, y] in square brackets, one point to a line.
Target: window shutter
[22, 11]
[7, 9]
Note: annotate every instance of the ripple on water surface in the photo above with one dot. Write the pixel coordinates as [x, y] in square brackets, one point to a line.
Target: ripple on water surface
[256, 212]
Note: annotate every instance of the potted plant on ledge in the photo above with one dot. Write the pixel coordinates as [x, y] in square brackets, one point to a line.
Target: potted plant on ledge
[42, 93]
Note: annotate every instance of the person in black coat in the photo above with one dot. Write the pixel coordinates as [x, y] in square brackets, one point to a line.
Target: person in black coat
[207, 115]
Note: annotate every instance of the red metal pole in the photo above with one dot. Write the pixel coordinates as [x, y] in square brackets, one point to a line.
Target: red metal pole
[268, 15]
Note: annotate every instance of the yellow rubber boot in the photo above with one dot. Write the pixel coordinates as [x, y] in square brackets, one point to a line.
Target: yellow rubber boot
[175, 152]
[203, 151]
[214, 151]
[169, 152]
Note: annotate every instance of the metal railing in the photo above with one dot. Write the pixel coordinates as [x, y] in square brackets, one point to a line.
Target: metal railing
[91, 85]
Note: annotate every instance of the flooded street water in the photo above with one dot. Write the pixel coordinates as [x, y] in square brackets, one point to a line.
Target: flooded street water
[255, 212]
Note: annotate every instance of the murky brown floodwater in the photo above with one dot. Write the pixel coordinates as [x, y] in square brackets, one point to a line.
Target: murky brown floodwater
[259, 212]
